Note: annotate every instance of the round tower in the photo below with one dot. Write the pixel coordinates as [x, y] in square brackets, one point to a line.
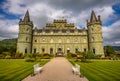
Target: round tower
[24, 44]
[95, 39]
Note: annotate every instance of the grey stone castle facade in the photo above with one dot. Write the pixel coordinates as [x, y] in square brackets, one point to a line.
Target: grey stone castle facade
[60, 37]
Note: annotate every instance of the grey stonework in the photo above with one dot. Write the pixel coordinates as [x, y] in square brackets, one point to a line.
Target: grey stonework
[60, 37]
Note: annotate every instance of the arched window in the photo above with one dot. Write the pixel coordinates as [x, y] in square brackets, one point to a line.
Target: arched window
[25, 50]
[43, 40]
[43, 49]
[76, 40]
[59, 41]
[68, 50]
[68, 40]
[35, 40]
[51, 50]
[51, 40]
[27, 39]
[68, 32]
[85, 50]
[34, 50]
[93, 38]
[84, 40]
[76, 50]
[94, 50]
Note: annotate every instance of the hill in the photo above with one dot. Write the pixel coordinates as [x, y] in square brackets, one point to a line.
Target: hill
[9, 42]
[116, 48]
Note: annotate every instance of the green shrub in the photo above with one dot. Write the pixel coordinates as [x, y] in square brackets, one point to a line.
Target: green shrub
[7, 57]
[18, 55]
[46, 57]
[2, 56]
[98, 56]
[30, 60]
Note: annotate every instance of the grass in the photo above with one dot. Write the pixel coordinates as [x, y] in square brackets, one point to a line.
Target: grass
[100, 70]
[16, 70]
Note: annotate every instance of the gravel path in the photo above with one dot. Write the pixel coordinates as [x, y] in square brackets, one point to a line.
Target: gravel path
[58, 69]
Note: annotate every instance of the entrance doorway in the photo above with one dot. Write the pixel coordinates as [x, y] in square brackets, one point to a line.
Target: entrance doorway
[60, 50]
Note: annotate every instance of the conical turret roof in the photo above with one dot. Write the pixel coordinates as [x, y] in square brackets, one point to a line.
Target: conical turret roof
[93, 17]
[26, 17]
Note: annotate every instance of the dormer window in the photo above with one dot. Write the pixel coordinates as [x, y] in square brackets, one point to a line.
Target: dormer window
[67, 32]
[76, 32]
[35, 33]
[43, 32]
[51, 32]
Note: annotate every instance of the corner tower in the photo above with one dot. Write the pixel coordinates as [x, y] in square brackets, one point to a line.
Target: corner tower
[24, 43]
[95, 39]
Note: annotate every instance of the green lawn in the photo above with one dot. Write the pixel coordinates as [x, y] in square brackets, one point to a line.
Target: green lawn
[16, 70]
[101, 70]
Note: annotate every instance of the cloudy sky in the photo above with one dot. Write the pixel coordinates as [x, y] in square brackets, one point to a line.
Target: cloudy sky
[76, 11]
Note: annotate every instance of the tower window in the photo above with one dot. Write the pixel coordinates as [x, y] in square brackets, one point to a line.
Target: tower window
[84, 40]
[43, 40]
[43, 49]
[51, 40]
[34, 50]
[51, 50]
[25, 50]
[94, 50]
[35, 40]
[92, 29]
[93, 39]
[59, 41]
[68, 40]
[76, 50]
[76, 40]
[84, 49]
[68, 50]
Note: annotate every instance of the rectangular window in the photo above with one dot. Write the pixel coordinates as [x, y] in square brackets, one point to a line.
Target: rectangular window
[35, 50]
[84, 49]
[76, 50]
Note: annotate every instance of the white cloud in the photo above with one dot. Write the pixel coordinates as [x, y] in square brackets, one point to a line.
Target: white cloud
[111, 34]
[43, 11]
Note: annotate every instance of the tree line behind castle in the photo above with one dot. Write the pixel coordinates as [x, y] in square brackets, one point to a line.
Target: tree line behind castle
[8, 51]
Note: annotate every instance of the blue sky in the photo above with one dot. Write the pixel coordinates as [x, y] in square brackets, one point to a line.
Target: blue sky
[76, 11]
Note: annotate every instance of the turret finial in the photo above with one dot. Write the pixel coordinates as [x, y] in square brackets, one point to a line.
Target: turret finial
[93, 17]
[26, 17]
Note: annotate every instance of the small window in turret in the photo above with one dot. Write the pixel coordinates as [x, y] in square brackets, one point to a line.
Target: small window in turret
[43, 32]
[27, 39]
[93, 39]
[27, 29]
[84, 33]
[76, 40]
[68, 40]
[35, 33]
[35, 40]
[68, 32]
[92, 30]
[51, 32]
[76, 32]
[84, 40]
[43, 40]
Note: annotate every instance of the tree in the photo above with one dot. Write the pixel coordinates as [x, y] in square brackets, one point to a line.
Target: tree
[109, 50]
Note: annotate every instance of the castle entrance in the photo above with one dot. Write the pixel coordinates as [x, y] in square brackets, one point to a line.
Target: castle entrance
[59, 52]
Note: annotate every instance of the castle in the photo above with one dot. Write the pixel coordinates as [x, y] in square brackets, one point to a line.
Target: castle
[60, 37]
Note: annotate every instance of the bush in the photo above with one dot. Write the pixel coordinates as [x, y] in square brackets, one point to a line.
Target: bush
[30, 60]
[46, 54]
[73, 55]
[98, 56]
[70, 55]
[18, 55]
[7, 57]
[2, 56]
